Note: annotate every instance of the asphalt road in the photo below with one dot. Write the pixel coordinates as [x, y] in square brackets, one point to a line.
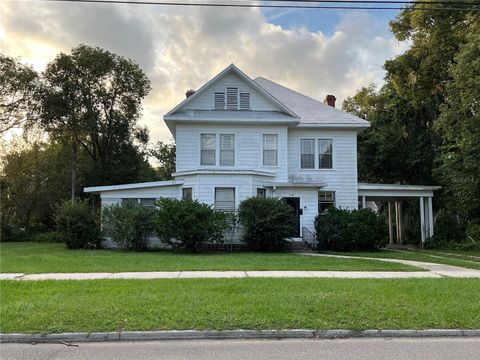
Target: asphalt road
[342, 349]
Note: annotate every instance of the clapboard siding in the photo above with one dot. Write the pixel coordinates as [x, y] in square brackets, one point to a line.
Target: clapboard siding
[343, 177]
[109, 197]
[248, 147]
[204, 101]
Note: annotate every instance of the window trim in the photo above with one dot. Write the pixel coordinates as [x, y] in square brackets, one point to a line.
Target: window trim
[191, 192]
[318, 160]
[316, 155]
[334, 202]
[220, 149]
[263, 150]
[235, 197]
[262, 189]
[215, 150]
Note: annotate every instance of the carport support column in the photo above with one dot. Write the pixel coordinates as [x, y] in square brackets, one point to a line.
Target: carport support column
[422, 219]
[430, 217]
[390, 226]
[364, 202]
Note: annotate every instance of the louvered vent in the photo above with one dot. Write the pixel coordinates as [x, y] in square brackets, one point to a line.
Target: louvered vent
[232, 98]
[244, 101]
[219, 101]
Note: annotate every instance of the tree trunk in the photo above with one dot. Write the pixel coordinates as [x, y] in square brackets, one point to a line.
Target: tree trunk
[74, 167]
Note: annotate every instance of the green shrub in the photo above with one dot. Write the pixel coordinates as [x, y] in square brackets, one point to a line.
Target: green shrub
[128, 225]
[77, 223]
[473, 233]
[189, 222]
[48, 237]
[344, 230]
[267, 223]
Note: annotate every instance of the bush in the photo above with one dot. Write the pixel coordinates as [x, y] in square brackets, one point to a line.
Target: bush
[344, 230]
[77, 224]
[189, 222]
[128, 225]
[267, 222]
[449, 231]
[48, 237]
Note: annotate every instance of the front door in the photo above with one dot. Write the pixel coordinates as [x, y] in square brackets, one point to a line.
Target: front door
[294, 203]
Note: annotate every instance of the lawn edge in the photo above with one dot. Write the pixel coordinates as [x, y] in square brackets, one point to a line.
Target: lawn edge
[230, 334]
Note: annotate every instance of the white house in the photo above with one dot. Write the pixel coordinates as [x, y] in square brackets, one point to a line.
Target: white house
[237, 138]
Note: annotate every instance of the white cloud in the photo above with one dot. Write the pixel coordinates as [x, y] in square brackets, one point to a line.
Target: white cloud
[183, 48]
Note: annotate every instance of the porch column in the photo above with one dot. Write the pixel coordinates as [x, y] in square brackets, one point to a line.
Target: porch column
[390, 226]
[430, 217]
[398, 220]
[422, 219]
[364, 202]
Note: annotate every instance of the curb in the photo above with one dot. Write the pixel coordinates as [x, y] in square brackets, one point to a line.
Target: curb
[231, 334]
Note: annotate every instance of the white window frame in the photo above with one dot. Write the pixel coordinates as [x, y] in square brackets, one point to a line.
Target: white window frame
[183, 192]
[220, 149]
[314, 153]
[317, 154]
[263, 149]
[215, 150]
[235, 195]
[334, 202]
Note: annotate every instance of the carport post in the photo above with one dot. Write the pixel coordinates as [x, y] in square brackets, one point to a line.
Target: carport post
[364, 202]
[430, 217]
[422, 219]
[390, 227]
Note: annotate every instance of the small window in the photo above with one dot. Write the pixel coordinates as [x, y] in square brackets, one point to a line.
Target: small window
[225, 199]
[232, 98]
[270, 149]
[148, 202]
[227, 149]
[307, 156]
[261, 193]
[244, 101]
[326, 201]
[187, 193]
[207, 147]
[325, 152]
[219, 101]
[129, 201]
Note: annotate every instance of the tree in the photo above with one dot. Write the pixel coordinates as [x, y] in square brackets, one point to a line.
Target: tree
[18, 94]
[165, 154]
[92, 98]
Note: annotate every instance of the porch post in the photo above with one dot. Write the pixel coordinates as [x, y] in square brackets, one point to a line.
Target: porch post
[398, 221]
[390, 227]
[430, 217]
[422, 219]
[364, 202]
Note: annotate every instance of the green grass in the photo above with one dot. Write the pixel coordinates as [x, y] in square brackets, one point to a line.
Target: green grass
[41, 258]
[437, 256]
[112, 305]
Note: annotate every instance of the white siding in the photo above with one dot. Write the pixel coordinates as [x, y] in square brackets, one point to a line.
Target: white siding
[248, 147]
[343, 177]
[205, 100]
[153, 192]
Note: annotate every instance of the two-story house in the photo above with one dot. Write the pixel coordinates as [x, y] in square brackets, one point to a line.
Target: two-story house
[237, 138]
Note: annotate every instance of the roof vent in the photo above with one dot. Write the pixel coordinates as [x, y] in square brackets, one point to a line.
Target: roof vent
[189, 93]
[330, 100]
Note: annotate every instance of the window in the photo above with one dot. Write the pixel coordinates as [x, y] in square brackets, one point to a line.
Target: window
[219, 101]
[307, 154]
[207, 149]
[227, 149]
[147, 202]
[232, 98]
[187, 194]
[270, 147]
[129, 201]
[261, 193]
[244, 101]
[325, 154]
[225, 199]
[326, 200]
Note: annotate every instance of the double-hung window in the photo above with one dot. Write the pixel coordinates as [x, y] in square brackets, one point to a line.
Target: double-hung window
[270, 149]
[307, 154]
[207, 149]
[326, 201]
[187, 193]
[227, 149]
[225, 199]
[325, 154]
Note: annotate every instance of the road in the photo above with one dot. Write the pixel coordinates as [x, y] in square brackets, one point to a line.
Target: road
[341, 349]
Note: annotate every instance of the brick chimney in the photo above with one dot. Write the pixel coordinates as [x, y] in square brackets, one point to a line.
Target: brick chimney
[189, 93]
[330, 100]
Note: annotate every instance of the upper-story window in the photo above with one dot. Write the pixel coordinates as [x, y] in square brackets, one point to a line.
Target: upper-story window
[307, 154]
[231, 99]
[227, 149]
[323, 154]
[207, 149]
[270, 149]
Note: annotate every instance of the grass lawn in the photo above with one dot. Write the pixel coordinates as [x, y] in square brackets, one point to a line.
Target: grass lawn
[41, 258]
[455, 258]
[111, 305]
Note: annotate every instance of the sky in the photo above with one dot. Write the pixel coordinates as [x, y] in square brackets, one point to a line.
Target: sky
[316, 52]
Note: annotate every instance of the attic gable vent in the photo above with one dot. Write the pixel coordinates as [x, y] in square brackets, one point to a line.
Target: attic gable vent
[244, 101]
[232, 98]
[219, 101]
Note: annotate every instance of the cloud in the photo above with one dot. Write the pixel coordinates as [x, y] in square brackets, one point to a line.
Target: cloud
[182, 48]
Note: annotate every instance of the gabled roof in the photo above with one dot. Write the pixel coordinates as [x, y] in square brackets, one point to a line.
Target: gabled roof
[243, 76]
[311, 112]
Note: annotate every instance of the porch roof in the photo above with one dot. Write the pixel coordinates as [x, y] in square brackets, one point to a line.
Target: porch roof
[395, 191]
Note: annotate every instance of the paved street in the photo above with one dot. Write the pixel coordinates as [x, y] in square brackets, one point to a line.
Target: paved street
[342, 349]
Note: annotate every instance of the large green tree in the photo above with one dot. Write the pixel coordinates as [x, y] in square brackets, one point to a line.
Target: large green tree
[92, 99]
[165, 154]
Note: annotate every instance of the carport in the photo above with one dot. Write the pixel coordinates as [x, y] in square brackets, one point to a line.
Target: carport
[394, 195]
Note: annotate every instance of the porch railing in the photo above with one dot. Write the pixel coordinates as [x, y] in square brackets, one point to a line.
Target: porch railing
[309, 238]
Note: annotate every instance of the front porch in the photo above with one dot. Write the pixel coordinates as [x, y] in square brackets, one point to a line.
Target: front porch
[394, 195]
